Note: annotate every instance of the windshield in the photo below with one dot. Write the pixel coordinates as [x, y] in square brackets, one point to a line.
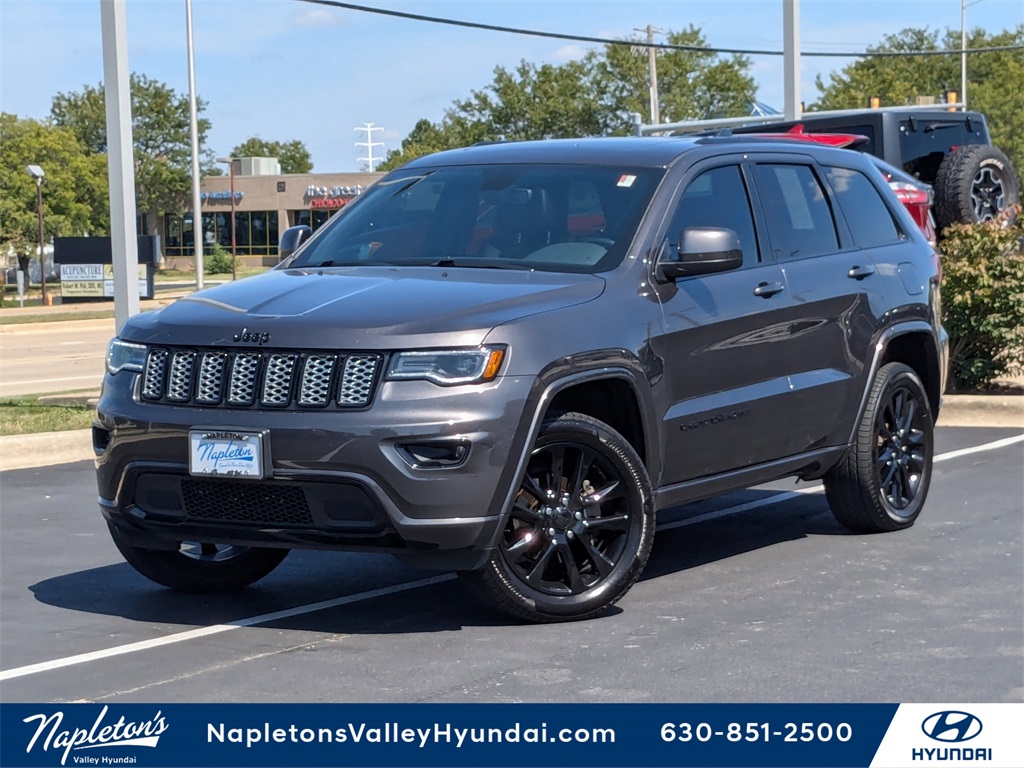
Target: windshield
[565, 218]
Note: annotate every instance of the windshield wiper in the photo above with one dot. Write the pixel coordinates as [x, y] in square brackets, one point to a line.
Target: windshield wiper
[479, 264]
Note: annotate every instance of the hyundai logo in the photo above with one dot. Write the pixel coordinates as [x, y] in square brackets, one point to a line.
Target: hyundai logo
[951, 726]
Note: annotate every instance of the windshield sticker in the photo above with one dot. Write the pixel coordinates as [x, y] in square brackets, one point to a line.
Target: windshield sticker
[626, 180]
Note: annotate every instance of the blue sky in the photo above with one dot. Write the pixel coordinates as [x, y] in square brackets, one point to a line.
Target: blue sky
[287, 70]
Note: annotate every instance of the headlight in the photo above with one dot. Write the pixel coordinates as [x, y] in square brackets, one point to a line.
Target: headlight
[448, 366]
[125, 356]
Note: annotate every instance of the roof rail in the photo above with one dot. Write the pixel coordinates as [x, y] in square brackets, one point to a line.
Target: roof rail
[641, 129]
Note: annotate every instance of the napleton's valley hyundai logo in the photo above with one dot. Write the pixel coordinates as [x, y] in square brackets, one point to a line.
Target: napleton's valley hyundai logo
[951, 726]
[52, 734]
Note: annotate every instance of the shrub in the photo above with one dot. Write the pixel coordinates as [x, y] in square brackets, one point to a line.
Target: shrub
[983, 301]
[217, 262]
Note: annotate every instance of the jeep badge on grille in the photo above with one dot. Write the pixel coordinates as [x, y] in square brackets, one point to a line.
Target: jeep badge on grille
[251, 337]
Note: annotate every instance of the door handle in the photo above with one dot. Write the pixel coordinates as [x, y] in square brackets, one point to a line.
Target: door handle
[858, 272]
[766, 290]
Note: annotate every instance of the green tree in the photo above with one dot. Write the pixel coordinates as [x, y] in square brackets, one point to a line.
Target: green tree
[692, 85]
[592, 96]
[74, 188]
[293, 155]
[993, 79]
[425, 138]
[160, 131]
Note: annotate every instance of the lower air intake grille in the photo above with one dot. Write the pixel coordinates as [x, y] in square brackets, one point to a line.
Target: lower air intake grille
[226, 501]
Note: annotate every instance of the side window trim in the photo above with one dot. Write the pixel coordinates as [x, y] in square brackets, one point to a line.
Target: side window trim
[765, 255]
[843, 232]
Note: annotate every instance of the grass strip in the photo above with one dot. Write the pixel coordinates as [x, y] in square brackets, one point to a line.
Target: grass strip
[26, 415]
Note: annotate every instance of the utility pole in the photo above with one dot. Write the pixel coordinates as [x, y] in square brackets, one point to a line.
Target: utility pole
[652, 65]
[368, 128]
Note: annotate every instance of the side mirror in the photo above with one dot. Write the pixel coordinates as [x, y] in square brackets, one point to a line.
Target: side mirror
[292, 239]
[702, 250]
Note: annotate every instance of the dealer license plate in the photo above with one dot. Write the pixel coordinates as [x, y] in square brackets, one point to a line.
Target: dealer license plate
[225, 453]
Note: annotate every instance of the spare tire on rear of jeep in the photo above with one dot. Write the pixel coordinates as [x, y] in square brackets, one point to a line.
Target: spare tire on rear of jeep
[974, 184]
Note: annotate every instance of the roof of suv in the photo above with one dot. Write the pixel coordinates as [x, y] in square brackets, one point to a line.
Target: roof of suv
[642, 151]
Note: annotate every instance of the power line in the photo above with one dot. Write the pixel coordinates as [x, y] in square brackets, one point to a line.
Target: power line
[659, 46]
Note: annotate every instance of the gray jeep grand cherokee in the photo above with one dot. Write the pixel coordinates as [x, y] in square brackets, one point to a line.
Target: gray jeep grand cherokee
[503, 360]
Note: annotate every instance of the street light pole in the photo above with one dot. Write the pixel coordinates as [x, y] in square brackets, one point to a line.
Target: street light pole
[197, 215]
[963, 53]
[231, 175]
[37, 173]
[964, 5]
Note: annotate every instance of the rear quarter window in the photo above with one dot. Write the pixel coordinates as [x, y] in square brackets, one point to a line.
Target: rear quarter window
[870, 219]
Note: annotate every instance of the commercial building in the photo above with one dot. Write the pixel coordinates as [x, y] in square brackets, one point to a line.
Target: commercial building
[266, 203]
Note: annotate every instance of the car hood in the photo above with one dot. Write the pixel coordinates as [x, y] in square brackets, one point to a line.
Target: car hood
[362, 307]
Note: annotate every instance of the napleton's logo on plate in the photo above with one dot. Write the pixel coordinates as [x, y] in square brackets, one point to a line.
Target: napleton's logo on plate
[52, 734]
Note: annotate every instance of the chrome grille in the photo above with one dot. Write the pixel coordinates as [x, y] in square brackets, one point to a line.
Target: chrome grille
[179, 386]
[267, 379]
[244, 374]
[153, 379]
[317, 377]
[277, 383]
[357, 380]
[211, 378]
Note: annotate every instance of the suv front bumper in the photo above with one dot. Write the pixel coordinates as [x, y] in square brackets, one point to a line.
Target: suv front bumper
[339, 479]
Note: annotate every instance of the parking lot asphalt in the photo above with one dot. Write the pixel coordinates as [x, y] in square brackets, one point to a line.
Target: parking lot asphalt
[757, 596]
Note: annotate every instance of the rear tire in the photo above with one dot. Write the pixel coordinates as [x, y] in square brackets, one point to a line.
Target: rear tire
[201, 567]
[581, 527]
[881, 483]
[974, 184]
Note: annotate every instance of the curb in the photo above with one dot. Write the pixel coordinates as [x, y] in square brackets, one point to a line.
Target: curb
[87, 323]
[45, 449]
[49, 448]
[982, 411]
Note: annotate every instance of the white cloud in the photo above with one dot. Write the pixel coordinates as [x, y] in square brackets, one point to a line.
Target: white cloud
[569, 52]
[318, 17]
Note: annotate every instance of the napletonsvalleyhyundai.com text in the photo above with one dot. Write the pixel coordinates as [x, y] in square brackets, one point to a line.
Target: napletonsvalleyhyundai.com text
[395, 733]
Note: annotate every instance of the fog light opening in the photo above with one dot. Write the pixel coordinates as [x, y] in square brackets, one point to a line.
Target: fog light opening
[435, 455]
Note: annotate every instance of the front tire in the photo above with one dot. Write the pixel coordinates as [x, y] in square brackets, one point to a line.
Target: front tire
[201, 567]
[881, 483]
[581, 527]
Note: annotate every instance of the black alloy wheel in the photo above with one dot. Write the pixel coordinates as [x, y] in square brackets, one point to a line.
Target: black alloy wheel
[580, 528]
[901, 449]
[882, 481]
[568, 527]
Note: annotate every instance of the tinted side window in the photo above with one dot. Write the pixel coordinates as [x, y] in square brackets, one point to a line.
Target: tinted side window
[717, 198]
[865, 210]
[799, 217]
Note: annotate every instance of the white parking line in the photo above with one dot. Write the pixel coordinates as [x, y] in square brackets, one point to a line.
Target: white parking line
[299, 610]
[216, 629]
